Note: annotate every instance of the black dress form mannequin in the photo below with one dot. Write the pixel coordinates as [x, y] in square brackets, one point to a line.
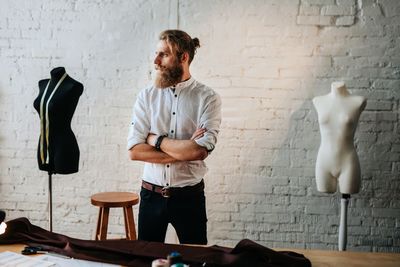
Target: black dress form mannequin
[58, 150]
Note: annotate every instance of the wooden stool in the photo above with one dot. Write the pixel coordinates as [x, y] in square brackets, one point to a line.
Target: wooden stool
[107, 200]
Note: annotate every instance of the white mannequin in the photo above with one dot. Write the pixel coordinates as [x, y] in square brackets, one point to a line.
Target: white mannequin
[337, 160]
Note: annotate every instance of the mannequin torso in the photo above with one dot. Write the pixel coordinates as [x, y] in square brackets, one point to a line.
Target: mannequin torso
[58, 150]
[337, 160]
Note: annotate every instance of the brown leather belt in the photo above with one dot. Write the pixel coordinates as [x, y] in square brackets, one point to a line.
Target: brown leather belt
[167, 191]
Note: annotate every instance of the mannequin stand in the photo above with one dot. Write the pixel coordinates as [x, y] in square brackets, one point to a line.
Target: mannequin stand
[50, 205]
[343, 222]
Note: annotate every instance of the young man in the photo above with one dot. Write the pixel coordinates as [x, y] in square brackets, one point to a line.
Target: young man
[174, 127]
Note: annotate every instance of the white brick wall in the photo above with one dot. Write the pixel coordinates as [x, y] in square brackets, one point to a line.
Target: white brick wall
[267, 59]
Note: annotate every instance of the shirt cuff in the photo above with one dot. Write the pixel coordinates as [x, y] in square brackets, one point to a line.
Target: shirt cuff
[133, 142]
[204, 142]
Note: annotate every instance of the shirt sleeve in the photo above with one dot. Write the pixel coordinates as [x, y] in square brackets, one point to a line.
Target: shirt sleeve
[140, 123]
[211, 120]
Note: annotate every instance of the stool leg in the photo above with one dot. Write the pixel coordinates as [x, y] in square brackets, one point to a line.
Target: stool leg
[98, 227]
[129, 223]
[102, 224]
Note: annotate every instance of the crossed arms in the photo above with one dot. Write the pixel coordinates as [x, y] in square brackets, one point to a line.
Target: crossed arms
[172, 150]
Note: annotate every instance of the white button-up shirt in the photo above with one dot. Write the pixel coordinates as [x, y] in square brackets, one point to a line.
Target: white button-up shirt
[178, 113]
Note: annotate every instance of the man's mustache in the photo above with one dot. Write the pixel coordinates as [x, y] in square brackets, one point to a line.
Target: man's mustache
[159, 67]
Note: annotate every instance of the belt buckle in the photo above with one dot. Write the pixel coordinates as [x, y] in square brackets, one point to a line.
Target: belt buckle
[165, 192]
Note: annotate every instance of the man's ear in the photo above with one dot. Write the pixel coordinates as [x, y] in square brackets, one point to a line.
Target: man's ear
[185, 57]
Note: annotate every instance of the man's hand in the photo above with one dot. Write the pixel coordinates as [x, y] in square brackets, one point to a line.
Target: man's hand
[152, 139]
[198, 133]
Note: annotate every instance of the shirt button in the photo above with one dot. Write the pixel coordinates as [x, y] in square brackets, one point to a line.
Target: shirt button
[173, 113]
[168, 166]
[172, 131]
[176, 95]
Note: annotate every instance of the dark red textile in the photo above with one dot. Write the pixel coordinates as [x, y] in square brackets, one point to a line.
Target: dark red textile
[141, 253]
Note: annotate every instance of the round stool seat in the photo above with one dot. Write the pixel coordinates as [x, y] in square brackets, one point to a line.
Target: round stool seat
[107, 200]
[115, 199]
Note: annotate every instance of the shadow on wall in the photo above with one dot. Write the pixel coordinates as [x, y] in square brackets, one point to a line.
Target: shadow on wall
[5, 155]
[294, 168]
[1, 150]
[378, 139]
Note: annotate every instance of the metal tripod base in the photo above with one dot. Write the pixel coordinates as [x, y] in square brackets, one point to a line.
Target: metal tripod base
[50, 204]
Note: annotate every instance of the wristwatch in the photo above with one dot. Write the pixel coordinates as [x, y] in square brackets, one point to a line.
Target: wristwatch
[158, 142]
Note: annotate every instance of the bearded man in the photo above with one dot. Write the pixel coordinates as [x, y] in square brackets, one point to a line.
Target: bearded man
[174, 127]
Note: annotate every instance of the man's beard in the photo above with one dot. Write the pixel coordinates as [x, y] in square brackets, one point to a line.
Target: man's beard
[168, 76]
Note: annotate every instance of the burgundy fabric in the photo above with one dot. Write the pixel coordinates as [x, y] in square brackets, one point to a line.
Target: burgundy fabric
[141, 253]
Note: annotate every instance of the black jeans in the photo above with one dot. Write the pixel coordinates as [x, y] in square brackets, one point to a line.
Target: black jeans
[187, 214]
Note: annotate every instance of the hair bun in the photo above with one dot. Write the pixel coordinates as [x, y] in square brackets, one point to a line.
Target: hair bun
[196, 42]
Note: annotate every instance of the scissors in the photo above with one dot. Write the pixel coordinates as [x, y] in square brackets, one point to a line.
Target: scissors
[29, 250]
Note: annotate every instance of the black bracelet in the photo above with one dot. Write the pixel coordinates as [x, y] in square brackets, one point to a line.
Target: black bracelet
[158, 142]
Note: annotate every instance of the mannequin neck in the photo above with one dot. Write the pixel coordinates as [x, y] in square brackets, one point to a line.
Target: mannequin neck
[339, 90]
[57, 73]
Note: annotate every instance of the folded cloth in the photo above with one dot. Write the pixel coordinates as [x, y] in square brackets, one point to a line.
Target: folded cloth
[141, 253]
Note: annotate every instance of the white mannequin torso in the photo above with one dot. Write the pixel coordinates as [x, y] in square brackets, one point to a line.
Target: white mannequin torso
[337, 160]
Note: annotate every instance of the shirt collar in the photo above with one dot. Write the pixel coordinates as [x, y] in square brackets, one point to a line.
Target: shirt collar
[184, 84]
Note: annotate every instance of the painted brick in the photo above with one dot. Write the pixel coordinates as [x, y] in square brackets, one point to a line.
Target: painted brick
[345, 20]
[315, 20]
[309, 10]
[337, 11]
[346, 2]
[318, 2]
